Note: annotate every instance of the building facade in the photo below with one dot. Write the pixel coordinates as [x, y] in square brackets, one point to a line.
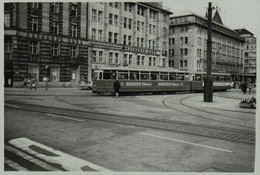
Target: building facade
[66, 42]
[188, 45]
[45, 40]
[250, 60]
[130, 34]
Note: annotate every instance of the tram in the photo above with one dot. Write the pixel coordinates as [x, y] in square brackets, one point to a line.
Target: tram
[155, 81]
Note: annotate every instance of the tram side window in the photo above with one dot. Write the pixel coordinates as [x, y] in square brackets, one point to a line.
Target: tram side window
[164, 76]
[109, 75]
[144, 76]
[123, 75]
[198, 78]
[181, 77]
[154, 75]
[172, 76]
[134, 75]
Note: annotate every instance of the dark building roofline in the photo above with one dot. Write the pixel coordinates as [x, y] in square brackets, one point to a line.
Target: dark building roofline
[243, 31]
[156, 6]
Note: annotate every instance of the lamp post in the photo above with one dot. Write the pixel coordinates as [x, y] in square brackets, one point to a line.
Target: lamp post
[208, 82]
[47, 68]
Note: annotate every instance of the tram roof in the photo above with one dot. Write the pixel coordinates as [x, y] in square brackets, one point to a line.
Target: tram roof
[143, 70]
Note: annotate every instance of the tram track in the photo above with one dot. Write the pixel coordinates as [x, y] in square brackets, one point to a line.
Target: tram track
[216, 132]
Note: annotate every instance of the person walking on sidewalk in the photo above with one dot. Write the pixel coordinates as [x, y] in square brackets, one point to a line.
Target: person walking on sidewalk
[244, 87]
[116, 87]
[250, 87]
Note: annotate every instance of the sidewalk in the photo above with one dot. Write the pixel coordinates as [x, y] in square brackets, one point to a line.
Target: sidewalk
[43, 91]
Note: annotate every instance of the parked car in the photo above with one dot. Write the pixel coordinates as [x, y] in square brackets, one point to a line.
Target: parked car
[85, 86]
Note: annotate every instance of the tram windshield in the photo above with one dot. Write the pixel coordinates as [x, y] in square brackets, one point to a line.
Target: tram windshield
[109, 74]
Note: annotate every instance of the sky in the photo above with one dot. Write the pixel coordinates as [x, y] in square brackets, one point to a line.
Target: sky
[234, 13]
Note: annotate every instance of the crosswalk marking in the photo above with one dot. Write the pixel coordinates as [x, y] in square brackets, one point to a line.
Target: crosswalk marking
[30, 158]
[14, 165]
[67, 162]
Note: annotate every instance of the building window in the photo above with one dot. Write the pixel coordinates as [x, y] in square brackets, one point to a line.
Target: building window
[137, 41]
[186, 40]
[73, 51]
[138, 60]
[94, 56]
[111, 4]
[74, 10]
[110, 37]
[56, 7]
[130, 23]
[142, 26]
[35, 5]
[154, 61]
[55, 28]
[116, 4]
[110, 19]
[100, 32]
[8, 47]
[185, 64]
[34, 24]
[186, 52]
[150, 44]
[54, 49]
[110, 58]
[100, 16]
[150, 61]
[129, 40]
[181, 64]
[138, 26]
[154, 30]
[130, 59]
[115, 37]
[116, 20]
[140, 11]
[142, 61]
[125, 59]
[124, 39]
[93, 34]
[33, 47]
[116, 58]
[181, 52]
[125, 22]
[142, 42]
[94, 15]
[153, 44]
[100, 56]
[150, 28]
[74, 29]
[7, 20]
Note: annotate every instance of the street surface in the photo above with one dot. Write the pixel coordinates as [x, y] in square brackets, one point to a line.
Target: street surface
[65, 129]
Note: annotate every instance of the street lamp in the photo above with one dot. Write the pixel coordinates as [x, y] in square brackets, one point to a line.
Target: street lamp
[47, 67]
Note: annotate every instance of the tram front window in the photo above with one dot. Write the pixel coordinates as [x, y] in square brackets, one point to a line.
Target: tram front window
[109, 75]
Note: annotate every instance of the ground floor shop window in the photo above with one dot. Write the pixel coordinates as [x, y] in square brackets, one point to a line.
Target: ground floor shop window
[75, 73]
[55, 73]
[33, 71]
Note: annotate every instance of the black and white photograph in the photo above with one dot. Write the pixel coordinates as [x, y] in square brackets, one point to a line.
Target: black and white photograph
[134, 87]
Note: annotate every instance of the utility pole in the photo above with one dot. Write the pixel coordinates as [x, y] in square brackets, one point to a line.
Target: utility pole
[208, 82]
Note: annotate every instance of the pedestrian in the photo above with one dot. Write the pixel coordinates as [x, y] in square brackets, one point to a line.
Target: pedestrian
[244, 87]
[116, 87]
[250, 87]
[33, 84]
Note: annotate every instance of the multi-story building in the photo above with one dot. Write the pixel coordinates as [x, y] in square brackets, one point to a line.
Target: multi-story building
[188, 44]
[45, 40]
[67, 41]
[131, 34]
[250, 54]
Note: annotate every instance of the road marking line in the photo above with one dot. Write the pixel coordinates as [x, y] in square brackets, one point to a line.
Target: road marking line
[61, 116]
[31, 159]
[14, 165]
[67, 161]
[190, 143]
[12, 106]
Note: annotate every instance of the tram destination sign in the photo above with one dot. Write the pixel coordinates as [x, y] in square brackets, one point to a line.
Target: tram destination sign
[132, 84]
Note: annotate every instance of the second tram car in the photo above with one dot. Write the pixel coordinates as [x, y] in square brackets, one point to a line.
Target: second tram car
[156, 81]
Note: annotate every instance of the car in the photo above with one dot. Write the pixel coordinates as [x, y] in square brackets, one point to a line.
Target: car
[85, 86]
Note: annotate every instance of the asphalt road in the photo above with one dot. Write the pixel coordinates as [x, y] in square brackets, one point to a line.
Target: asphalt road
[65, 140]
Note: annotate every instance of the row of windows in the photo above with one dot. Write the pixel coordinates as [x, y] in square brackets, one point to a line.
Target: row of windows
[97, 15]
[34, 48]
